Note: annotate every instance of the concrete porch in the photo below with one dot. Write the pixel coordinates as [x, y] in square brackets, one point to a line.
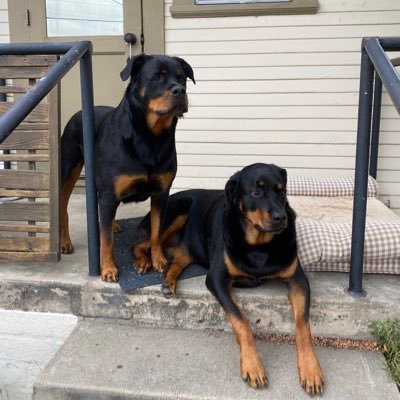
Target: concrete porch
[191, 318]
[65, 287]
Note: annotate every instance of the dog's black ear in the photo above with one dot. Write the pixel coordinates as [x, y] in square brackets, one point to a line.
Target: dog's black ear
[133, 67]
[187, 69]
[282, 173]
[231, 187]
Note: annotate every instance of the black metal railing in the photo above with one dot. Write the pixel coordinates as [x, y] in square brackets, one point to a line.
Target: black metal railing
[3, 97]
[72, 53]
[374, 62]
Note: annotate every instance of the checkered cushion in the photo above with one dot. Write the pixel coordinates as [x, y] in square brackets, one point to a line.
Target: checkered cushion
[327, 186]
[370, 267]
[324, 246]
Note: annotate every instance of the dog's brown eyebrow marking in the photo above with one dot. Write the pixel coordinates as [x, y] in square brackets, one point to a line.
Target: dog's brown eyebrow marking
[260, 183]
[279, 186]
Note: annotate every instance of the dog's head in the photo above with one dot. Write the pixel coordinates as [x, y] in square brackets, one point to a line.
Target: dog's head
[258, 193]
[158, 83]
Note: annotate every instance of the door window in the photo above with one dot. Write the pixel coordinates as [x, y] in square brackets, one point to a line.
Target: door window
[84, 18]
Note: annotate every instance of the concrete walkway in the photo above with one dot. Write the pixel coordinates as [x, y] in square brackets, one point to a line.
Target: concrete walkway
[28, 341]
[104, 360]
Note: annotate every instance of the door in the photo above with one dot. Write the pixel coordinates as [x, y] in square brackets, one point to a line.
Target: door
[104, 23]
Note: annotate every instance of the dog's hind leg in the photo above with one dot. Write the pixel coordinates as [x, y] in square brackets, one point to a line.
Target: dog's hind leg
[69, 180]
[71, 167]
[310, 375]
[180, 260]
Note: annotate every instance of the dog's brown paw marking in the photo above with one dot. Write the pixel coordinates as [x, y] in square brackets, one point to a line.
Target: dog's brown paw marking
[142, 264]
[253, 372]
[116, 227]
[67, 247]
[109, 273]
[168, 289]
[311, 377]
[158, 261]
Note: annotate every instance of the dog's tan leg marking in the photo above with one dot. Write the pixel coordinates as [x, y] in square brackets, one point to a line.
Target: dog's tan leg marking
[251, 367]
[180, 261]
[158, 259]
[310, 373]
[142, 261]
[109, 271]
[141, 249]
[116, 227]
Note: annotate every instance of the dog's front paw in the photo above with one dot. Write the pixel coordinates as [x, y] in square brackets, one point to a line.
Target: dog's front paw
[158, 260]
[253, 372]
[310, 375]
[168, 289]
[66, 246]
[142, 264]
[109, 273]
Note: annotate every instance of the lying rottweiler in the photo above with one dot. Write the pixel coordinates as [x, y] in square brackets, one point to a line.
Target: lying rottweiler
[135, 155]
[245, 236]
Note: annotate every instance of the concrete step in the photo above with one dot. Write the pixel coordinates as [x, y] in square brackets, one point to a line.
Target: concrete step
[333, 312]
[65, 287]
[109, 360]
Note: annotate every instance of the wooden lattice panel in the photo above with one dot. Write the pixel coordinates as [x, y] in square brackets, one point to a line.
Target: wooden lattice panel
[29, 202]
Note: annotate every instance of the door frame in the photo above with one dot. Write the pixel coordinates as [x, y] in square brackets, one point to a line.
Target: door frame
[153, 26]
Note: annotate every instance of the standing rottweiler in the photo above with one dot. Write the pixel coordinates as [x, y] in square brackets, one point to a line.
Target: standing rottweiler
[245, 236]
[135, 155]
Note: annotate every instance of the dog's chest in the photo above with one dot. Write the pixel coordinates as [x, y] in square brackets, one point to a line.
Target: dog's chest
[260, 268]
[139, 187]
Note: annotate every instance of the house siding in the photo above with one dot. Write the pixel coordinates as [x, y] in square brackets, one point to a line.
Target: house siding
[4, 33]
[4, 30]
[281, 89]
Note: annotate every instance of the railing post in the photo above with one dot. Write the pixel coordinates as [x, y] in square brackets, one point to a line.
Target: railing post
[3, 97]
[89, 142]
[376, 121]
[361, 175]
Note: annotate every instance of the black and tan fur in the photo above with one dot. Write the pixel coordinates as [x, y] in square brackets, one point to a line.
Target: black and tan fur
[135, 155]
[244, 236]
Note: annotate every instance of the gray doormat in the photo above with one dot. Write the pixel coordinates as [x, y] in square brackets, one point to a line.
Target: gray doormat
[129, 279]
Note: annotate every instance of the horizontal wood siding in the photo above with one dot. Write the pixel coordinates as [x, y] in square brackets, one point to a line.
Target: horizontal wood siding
[281, 89]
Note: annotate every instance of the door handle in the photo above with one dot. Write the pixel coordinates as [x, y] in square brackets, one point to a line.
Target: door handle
[130, 40]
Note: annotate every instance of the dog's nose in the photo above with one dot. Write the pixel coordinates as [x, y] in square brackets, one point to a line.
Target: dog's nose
[278, 217]
[178, 90]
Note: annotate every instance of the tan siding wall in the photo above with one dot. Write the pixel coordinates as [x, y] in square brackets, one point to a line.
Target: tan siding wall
[4, 31]
[281, 89]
